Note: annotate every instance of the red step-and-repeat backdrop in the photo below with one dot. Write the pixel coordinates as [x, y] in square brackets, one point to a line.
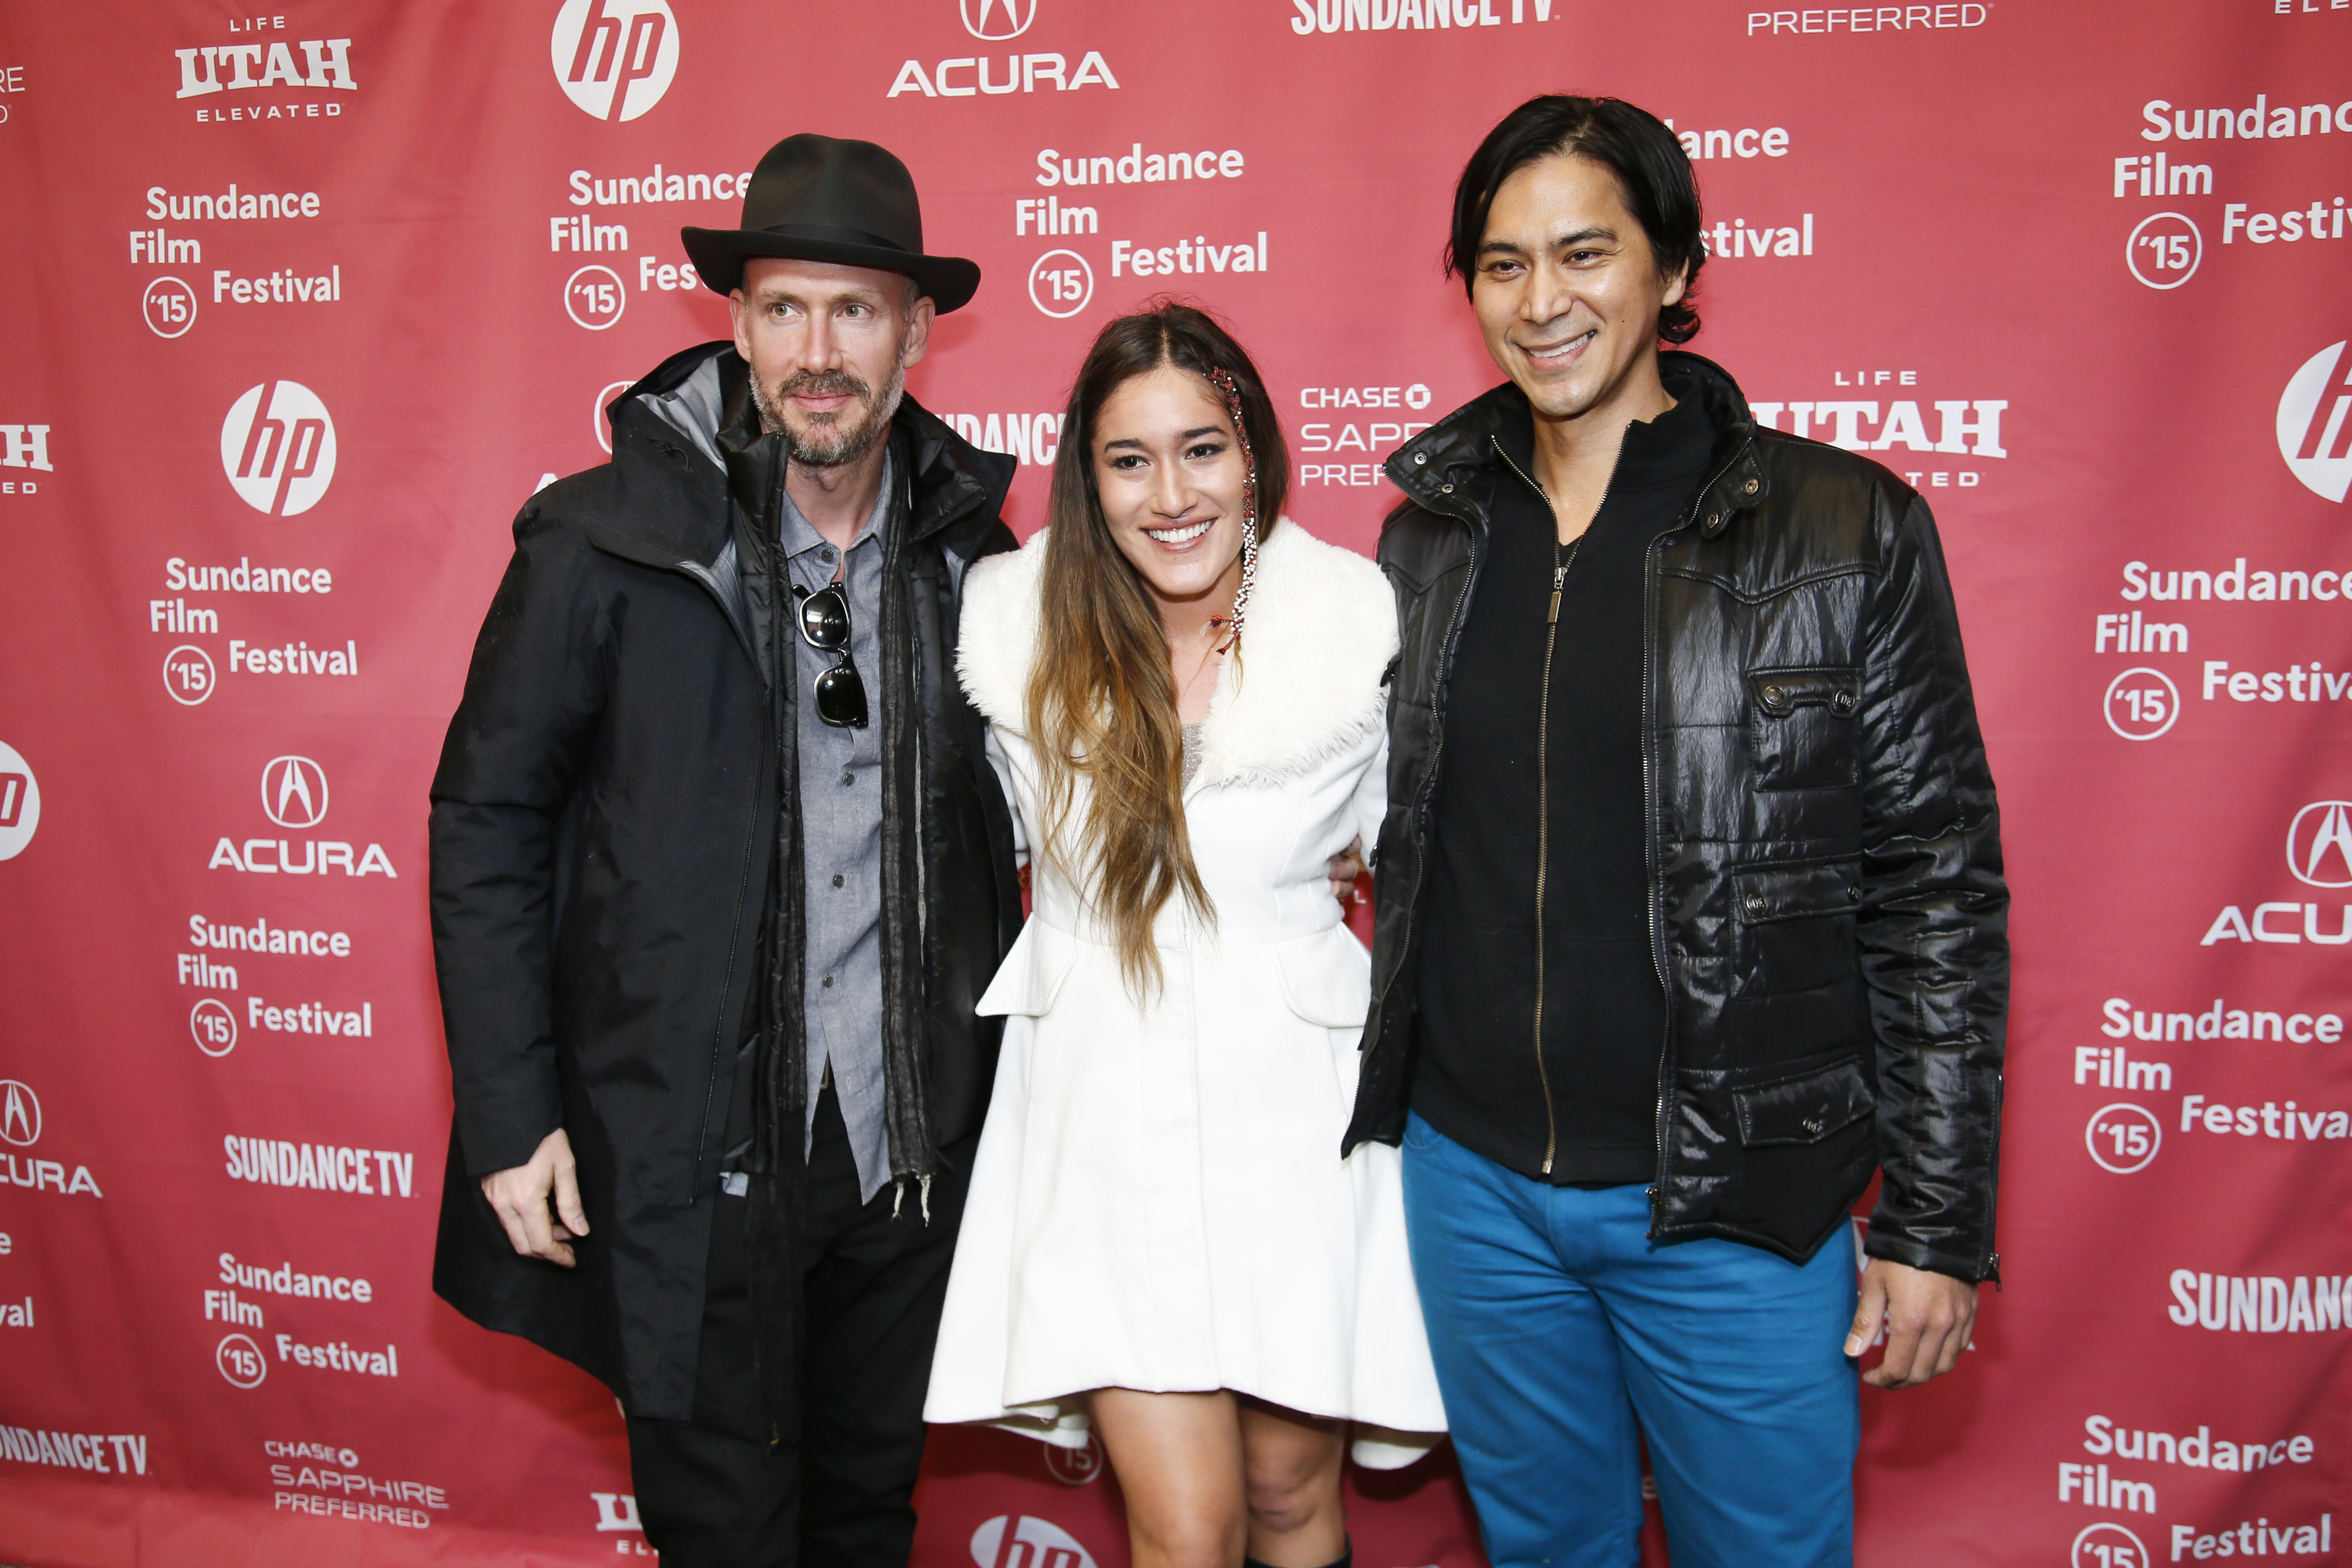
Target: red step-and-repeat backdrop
[306, 303]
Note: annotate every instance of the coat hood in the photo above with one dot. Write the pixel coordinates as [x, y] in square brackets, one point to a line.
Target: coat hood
[697, 406]
[1309, 683]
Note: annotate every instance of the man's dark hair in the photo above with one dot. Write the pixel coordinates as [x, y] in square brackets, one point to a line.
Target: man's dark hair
[1636, 145]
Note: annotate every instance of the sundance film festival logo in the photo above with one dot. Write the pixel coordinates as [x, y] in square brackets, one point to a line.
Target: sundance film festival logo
[1006, 1541]
[2108, 1545]
[614, 59]
[2313, 435]
[20, 801]
[240, 1361]
[277, 447]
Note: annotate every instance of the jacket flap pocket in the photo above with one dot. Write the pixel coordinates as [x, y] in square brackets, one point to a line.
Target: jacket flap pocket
[1783, 692]
[1327, 978]
[1031, 974]
[1802, 1110]
[1763, 893]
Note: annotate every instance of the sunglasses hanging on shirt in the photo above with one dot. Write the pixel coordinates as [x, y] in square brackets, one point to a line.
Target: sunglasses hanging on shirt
[824, 627]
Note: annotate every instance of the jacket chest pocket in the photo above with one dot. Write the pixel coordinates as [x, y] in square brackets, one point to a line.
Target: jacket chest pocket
[1801, 728]
[1796, 925]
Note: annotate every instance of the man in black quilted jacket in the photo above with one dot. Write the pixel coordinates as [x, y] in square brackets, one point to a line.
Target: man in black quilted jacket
[1690, 909]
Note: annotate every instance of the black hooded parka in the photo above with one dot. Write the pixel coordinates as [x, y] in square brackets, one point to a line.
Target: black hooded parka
[617, 892]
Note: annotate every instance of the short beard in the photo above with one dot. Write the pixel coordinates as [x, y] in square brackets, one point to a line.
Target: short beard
[826, 443]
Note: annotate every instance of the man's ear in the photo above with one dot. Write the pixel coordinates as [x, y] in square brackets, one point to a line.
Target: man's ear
[738, 310]
[1676, 287]
[920, 317]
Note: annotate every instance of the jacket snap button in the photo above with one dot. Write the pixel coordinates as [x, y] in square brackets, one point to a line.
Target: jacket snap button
[1748, 488]
[1854, 891]
[1773, 695]
[1755, 903]
[1713, 518]
[1845, 702]
[1445, 489]
[1418, 458]
[1813, 1124]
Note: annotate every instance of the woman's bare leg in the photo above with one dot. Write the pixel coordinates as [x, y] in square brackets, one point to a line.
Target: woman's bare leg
[1291, 1466]
[1179, 1460]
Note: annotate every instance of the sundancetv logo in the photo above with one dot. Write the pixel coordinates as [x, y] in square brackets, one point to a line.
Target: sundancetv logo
[615, 58]
[2313, 434]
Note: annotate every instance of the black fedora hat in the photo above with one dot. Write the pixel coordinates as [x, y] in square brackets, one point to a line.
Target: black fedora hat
[824, 198]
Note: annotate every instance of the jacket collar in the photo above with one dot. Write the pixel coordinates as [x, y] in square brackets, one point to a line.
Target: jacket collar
[1450, 468]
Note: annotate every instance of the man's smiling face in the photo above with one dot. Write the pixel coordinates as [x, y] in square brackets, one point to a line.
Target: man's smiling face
[1566, 286]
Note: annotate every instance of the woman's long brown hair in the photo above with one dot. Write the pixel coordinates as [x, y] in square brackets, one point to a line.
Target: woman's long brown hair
[1101, 703]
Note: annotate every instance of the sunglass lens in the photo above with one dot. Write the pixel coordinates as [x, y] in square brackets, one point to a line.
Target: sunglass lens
[841, 698]
[825, 619]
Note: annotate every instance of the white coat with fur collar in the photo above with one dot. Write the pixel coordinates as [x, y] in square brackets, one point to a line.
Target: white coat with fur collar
[1159, 1201]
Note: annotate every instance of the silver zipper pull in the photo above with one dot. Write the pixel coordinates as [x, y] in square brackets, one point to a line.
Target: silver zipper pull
[1559, 576]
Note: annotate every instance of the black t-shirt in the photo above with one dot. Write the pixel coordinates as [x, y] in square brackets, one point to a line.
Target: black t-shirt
[1603, 1019]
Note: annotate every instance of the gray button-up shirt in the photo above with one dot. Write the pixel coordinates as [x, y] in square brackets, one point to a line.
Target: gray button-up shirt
[841, 842]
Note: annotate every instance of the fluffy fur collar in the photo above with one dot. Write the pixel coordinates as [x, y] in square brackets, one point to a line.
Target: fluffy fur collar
[1321, 631]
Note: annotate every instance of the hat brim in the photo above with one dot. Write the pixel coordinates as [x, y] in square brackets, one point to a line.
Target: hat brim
[719, 255]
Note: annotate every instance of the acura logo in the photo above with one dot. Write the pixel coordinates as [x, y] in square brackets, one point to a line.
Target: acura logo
[20, 1113]
[998, 19]
[2315, 436]
[294, 791]
[2319, 844]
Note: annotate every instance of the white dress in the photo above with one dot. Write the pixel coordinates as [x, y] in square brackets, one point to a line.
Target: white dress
[1159, 1201]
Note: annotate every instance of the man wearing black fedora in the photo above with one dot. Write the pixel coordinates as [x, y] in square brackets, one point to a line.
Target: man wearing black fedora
[719, 872]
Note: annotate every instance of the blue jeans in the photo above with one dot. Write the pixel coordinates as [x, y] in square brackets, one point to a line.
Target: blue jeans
[1562, 1338]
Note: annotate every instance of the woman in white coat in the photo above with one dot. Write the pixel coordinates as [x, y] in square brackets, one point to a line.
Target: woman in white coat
[1185, 700]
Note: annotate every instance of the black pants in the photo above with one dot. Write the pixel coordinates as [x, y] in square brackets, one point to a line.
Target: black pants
[710, 1491]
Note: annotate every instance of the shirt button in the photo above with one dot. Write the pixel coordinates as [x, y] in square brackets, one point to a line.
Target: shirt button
[827, 982]
[849, 779]
[836, 879]
[825, 552]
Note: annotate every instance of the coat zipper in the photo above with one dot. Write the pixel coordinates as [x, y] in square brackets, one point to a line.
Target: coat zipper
[1543, 785]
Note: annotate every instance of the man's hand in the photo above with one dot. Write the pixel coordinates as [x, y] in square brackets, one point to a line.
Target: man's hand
[519, 1194]
[1345, 868]
[1927, 1318]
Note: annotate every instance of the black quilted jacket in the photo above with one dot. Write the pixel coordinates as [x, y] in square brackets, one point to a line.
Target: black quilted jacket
[1827, 910]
